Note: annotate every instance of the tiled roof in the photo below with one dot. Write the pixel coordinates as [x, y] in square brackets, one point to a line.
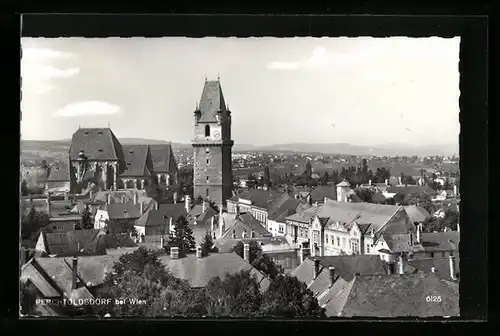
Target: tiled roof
[344, 184]
[441, 266]
[417, 214]
[162, 214]
[410, 189]
[59, 174]
[305, 216]
[70, 242]
[135, 159]
[285, 205]
[378, 197]
[268, 244]
[245, 222]
[163, 158]
[345, 266]
[212, 101]
[440, 241]
[258, 197]
[401, 295]
[91, 269]
[123, 211]
[97, 144]
[318, 194]
[199, 271]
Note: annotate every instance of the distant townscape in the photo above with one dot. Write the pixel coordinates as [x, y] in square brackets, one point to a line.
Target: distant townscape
[116, 227]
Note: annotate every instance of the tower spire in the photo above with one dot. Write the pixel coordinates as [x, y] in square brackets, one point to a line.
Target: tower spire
[218, 77]
[205, 78]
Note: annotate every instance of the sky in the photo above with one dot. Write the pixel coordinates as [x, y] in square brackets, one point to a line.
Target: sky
[362, 91]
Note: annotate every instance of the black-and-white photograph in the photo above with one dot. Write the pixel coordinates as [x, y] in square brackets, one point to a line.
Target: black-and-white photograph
[240, 177]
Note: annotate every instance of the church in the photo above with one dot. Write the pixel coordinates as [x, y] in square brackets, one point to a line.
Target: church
[212, 146]
[98, 160]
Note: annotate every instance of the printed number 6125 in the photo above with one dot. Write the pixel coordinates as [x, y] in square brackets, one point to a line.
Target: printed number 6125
[433, 298]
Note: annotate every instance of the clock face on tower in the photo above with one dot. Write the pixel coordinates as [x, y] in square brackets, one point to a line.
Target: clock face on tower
[216, 135]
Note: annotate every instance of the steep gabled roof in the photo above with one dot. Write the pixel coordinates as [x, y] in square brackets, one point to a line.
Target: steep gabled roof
[440, 241]
[70, 242]
[199, 271]
[401, 295]
[258, 197]
[417, 214]
[163, 158]
[97, 144]
[136, 157]
[245, 222]
[123, 211]
[318, 194]
[212, 101]
[162, 215]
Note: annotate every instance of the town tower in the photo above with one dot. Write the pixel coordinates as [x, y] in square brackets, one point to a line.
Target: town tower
[212, 146]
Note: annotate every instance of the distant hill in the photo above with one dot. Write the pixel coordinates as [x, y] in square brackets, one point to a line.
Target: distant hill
[62, 146]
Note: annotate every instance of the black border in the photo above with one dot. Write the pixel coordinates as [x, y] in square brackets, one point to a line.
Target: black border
[473, 118]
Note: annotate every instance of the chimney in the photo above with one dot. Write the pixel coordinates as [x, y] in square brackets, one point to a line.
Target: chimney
[66, 196]
[246, 252]
[91, 193]
[199, 253]
[419, 230]
[221, 225]
[458, 227]
[174, 253]
[156, 205]
[237, 209]
[162, 242]
[49, 205]
[141, 208]
[75, 273]
[325, 200]
[401, 265]
[175, 197]
[400, 180]
[188, 203]
[332, 275]
[212, 224]
[135, 197]
[433, 269]
[369, 182]
[455, 190]
[316, 204]
[109, 198]
[386, 182]
[308, 199]
[203, 207]
[452, 268]
[296, 196]
[316, 268]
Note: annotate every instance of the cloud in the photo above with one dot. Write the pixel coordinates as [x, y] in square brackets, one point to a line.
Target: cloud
[36, 70]
[87, 108]
[318, 58]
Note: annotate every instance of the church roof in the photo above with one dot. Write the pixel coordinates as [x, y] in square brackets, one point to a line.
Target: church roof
[163, 158]
[97, 144]
[212, 100]
[136, 160]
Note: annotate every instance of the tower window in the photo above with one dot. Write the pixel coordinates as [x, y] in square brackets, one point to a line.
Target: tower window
[207, 150]
[208, 193]
[206, 178]
[207, 130]
[208, 161]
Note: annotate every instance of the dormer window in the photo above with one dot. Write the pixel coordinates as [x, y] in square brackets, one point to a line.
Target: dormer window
[99, 132]
[128, 163]
[252, 234]
[207, 150]
[207, 130]
[86, 133]
[234, 234]
[100, 150]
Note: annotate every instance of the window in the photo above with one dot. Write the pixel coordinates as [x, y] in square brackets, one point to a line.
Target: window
[338, 241]
[207, 130]
[288, 262]
[432, 254]
[252, 234]
[207, 150]
[243, 234]
[367, 248]
[274, 260]
[355, 246]
[443, 254]
[234, 234]
[326, 238]
[281, 229]
[208, 193]
[206, 178]
[208, 161]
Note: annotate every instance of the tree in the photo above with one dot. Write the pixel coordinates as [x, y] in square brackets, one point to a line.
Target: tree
[267, 176]
[140, 275]
[399, 198]
[185, 180]
[308, 171]
[382, 174]
[24, 188]
[28, 297]
[86, 221]
[258, 259]
[32, 222]
[324, 179]
[182, 237]
[450, 221]
[236, 295]
[289, 297]
[407, 179]
[365, 194]
[198, 200]
[207, 245]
